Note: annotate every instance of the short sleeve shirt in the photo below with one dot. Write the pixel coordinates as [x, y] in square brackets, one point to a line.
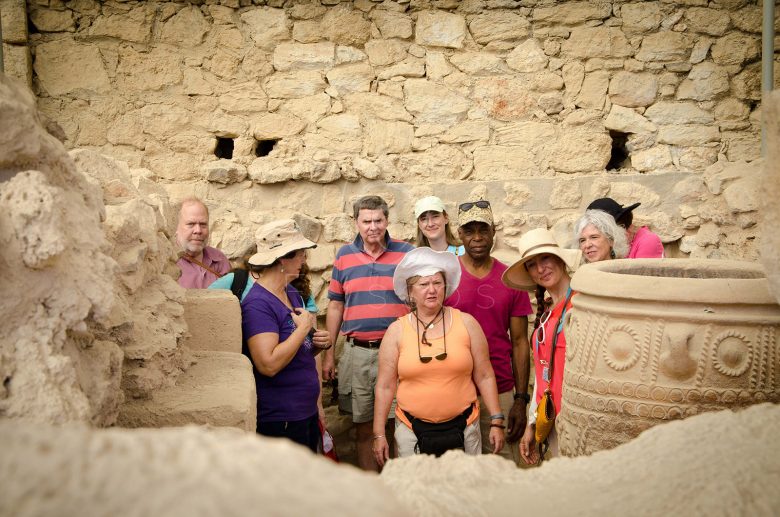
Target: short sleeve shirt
[195, 277]
[493, 304]
[291, 394]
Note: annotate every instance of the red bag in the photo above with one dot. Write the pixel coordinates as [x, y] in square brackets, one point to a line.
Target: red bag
[327, 445]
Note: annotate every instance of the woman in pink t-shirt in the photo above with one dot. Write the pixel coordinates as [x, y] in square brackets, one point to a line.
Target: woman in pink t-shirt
[544, 267]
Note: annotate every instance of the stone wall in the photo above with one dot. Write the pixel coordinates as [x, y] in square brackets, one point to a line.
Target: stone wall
[541, 106]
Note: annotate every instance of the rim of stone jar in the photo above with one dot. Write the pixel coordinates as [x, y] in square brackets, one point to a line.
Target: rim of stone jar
[688, 280]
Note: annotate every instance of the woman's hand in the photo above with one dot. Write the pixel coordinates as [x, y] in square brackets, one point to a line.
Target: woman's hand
[528, 449]
[381, 450]
[496, 438]
[303, 319]
[321, 339]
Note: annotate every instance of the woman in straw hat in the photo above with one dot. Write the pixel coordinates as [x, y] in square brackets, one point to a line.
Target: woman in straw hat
[280, 337]
[544, 267]
[599, 237]
[436, 357]
[433, 226]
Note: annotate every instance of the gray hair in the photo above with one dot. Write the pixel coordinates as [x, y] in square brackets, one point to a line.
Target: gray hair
[606, 225]
[370, 203]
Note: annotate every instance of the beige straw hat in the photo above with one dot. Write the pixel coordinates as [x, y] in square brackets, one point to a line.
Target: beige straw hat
[534, 243]
[277, 239]
[426, 262]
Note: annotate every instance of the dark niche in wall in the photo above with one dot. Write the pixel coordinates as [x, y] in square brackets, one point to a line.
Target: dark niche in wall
[619, 159]
[224, 148]
[263, 147]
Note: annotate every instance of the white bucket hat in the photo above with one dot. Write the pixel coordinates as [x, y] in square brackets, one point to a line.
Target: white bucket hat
[534, 243]
[428, 204]
[426, 262]
[277, 239]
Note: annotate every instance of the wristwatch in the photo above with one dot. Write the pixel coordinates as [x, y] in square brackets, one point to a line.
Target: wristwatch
[525, 396]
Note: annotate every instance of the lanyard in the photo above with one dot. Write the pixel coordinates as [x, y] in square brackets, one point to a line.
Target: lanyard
[558, 328]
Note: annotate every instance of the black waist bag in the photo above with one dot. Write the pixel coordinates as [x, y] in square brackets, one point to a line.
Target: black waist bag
[439, 438]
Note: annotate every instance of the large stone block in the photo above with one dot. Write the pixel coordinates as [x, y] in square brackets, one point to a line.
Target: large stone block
[665, 46]
[572, 13]
[244, 98]
[345, 26]
[134, 25]
[692, 135]
[144, 71]
[386, 52]
[655, 158]
[633, 89]
[56, 61]
[588, 42]
[294, 85]
[505, 98]
[14, 21]
[498, 26]
[185, 29]
[392, 25]
[351, 78]
[593, 91]
[736, 49]
[304, 56]
[527, 57]
[274, 126]
[266, 26]
[747, 84]
[671, 113]
[52, 20]
[384, 137]
[714, 22]
[431, 103]
[627, 120]
[441, 163]
[705, 81]
[641, 16]
[440, 29]
[18, 63]
[502, 162]
[213, 319]
[580, 149]
[218, 390]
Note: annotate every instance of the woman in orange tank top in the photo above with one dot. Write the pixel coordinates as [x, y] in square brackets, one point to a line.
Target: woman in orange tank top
[436, 357]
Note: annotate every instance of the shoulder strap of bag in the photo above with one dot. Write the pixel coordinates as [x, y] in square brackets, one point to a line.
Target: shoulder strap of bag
[240, 278]
[201, 264]
[558, 329]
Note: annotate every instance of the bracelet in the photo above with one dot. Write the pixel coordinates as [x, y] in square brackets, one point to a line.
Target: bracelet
[497, 416]
[378, 436]
[523, 396]
[498, 425]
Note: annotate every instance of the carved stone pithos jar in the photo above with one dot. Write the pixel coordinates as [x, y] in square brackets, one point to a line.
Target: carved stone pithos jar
[649, 341]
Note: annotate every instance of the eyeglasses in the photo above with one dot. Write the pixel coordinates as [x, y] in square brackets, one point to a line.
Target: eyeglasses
[465, 207]
[424, 339]
[540, 328]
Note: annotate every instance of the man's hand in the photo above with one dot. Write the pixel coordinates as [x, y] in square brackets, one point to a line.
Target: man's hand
[517, 421]
[328, 365]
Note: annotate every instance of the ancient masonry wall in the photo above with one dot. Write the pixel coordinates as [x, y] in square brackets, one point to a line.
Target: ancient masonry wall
[294, 108]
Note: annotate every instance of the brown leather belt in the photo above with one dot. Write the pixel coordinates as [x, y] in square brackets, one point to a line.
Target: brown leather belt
[366, 344]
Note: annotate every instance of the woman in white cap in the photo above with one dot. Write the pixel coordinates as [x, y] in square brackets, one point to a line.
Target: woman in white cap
[436, 357]
[433, 226]
[544, 267]
[280, 337]
[599, 237]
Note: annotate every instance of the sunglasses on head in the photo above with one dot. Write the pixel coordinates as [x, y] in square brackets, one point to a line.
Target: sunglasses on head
[464, 207]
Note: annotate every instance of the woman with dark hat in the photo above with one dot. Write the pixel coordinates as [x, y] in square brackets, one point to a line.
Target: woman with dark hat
[280, 337]
[599, 237]
[642, 242]
[544, 267]
[434, 359]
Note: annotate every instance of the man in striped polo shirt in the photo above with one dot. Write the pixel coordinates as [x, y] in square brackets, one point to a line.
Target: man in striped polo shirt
[362, 305]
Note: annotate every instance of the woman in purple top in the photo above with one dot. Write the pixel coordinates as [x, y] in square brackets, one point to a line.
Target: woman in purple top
[280, 337]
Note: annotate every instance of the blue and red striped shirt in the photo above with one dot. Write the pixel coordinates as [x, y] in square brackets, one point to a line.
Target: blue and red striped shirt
[365, 285]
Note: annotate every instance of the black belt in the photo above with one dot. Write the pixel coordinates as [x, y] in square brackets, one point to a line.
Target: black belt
[366, 344]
